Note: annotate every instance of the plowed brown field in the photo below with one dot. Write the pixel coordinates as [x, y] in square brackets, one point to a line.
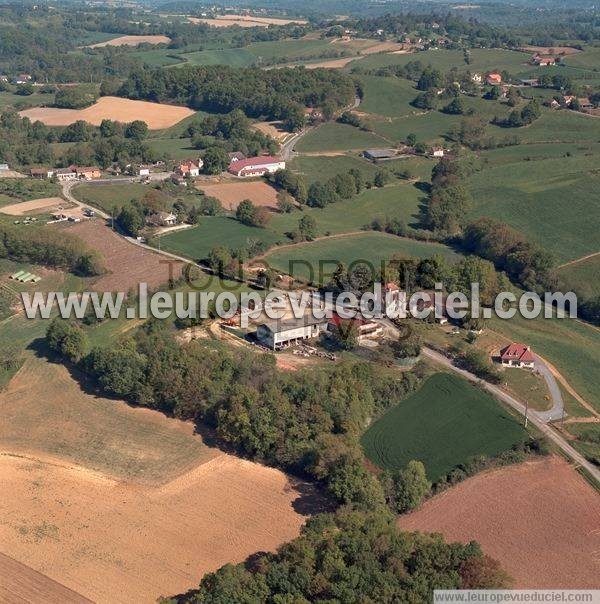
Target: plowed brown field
[127, 264]
[540, 519]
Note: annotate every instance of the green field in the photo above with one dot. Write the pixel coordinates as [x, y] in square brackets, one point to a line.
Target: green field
[587, 440]
[583, 277]
[588, 59]
[110, 198]
[444, 424]
[572, 347]
[482, 59]
[390, 97]
[197, 242]
[549, 201]
[305, 260]
[234, 57]
[333, 136]
[175, 148]
[8, 99]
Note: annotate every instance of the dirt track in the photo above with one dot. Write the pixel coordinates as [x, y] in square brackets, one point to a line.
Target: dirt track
[540, 519]
[34, 206]
[157, 116]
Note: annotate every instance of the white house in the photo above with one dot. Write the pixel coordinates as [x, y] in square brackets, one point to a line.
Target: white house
[191, 167]
[4, 166]
[256, 166]
[517, 355]
[143, 171]
[477, 78]
[279, 334]
[437, 152]
[63, 174]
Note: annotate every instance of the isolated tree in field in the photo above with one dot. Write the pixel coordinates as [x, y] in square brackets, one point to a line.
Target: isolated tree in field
[88, 265]
[307, 227]
[455, 107]
[285, 202]
[382, 178]
[409, 487]
[409, 346]
[245, 211]
[411, 140]
[210, 206]
[219, 258]
[131, 219]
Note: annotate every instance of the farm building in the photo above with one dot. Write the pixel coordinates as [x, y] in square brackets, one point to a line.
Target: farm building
[375, 154]
[23, 78]
[517, 355]
[543, 60]
[162, 219]
[66, 173]
[477, 78]
[4, 166]
[256, 166]
[585, 103]
[41, 173]
[437, 151]
[191, 167]
[279, 334]
[532, 83]
[367, 329]
[235, 156]
[494, 79]
[88, 172]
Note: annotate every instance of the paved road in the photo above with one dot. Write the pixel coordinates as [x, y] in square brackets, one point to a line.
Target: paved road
[557, 410]
[287, 149]
[534, 416]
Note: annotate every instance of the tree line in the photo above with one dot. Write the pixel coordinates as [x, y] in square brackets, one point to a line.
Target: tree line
[49, 247]
[278, 94]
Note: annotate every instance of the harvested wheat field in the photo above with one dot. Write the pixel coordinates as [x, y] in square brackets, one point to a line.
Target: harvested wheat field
[157, 116]
[132, 41]
[127, 264]
[273, 129]
[540, 519]
[35, 206]
[123, 504]
[245, 21]
[230, 194]
[551, 50]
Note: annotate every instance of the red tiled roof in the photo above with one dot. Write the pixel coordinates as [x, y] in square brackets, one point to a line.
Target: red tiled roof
[518, 352]
[255, 161]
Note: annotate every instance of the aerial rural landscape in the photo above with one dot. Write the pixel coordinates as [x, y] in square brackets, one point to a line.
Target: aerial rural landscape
[439, 158]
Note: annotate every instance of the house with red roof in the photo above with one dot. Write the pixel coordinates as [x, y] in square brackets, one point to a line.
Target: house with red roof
[256, 166]
[494, 79]
[517, 355]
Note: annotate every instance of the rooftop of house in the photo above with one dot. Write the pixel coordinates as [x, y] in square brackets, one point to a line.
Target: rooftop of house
[519, 352]
[380, 153]
[256, 161]
[288, 324]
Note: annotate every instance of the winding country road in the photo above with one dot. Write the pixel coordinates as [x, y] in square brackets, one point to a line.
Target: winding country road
[533, 416]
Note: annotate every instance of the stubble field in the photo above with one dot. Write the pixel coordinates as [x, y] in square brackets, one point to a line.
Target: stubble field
[155, 115]
[539, 519]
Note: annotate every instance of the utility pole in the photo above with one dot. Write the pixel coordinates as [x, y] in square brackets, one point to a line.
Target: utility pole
[526, 412]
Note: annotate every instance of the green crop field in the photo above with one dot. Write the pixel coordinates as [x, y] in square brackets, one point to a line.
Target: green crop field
[197, 242]
[389, 97]
[368, 248]
[588, 59]
[234, 57]
[110, 198]
[482, 59]
[400, 201]
[333, 136]
[444, 424]
[161, 57]
[174, 148]
[548, 200]
[583, 277]
[314, 167]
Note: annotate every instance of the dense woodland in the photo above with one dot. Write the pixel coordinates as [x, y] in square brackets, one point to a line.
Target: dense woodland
[276, 94]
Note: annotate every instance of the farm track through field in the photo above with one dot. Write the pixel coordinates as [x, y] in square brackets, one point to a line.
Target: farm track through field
[578, 260]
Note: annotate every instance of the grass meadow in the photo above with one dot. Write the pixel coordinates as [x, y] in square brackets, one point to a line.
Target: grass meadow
[365, 248]
[444, 424]
[548, 200]
[583, 277]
